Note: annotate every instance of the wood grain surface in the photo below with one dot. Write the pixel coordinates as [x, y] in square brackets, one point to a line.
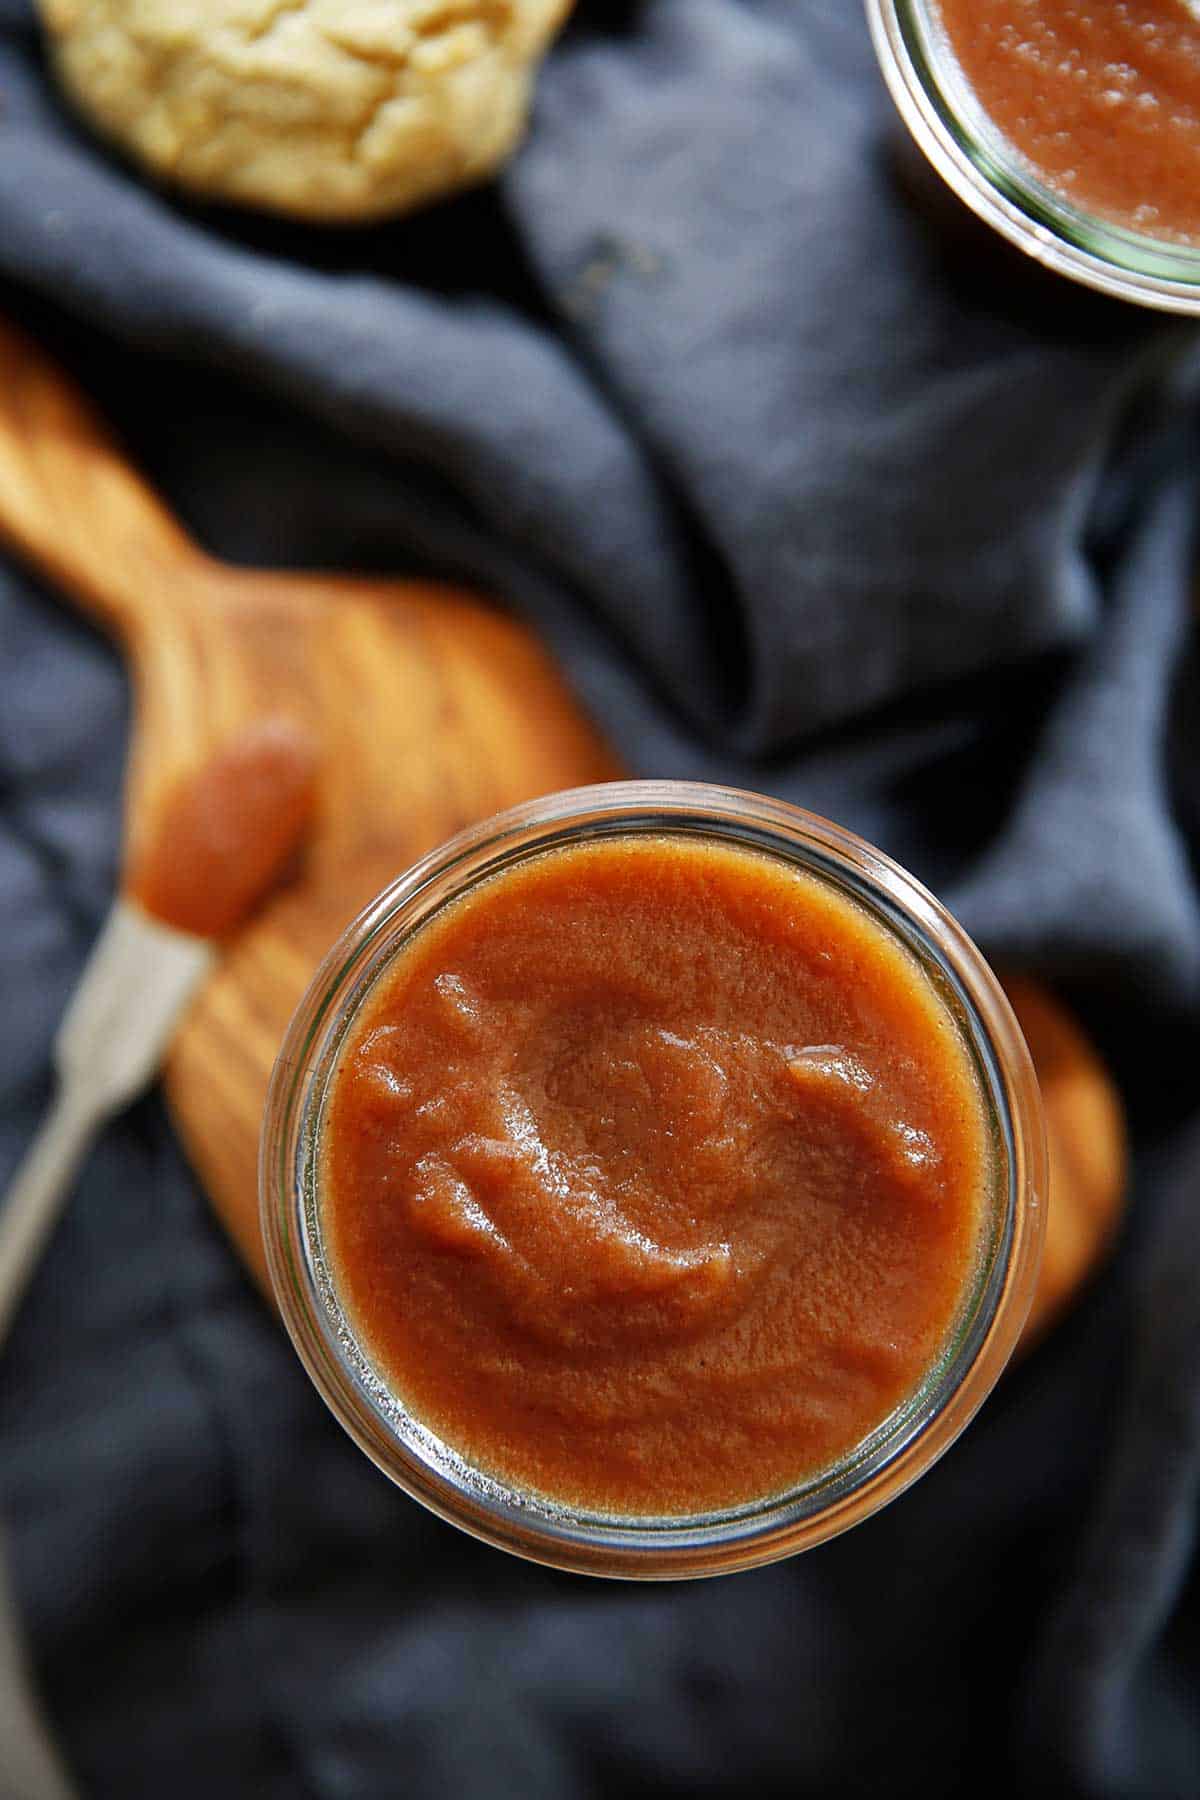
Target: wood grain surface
[1085, 1132]
[428, 710]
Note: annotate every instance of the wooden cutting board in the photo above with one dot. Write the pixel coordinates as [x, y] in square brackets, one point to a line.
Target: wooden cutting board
[427, 710]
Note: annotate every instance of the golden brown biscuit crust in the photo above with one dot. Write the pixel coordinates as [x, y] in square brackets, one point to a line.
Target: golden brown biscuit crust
[328, 109]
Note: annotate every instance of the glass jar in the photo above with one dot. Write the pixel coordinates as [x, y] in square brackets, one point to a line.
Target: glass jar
[905, 1444]
[984, 170]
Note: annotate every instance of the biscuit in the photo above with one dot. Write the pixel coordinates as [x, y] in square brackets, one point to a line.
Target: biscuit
[339, 110]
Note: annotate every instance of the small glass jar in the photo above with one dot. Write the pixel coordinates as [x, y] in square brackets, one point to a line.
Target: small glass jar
[905, 1444]
[984, 170]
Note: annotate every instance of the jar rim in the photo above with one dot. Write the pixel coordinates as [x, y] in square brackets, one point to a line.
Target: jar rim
[876, 1470]
[990, 177]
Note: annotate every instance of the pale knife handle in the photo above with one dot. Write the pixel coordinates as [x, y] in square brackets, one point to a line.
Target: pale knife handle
[37, 1193]
[136, 983]
[138, 978]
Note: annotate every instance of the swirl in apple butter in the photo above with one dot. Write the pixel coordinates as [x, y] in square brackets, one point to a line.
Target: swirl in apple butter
[654, 1174]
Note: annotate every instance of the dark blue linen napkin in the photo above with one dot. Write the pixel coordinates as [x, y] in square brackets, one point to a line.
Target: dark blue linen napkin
[814, 488]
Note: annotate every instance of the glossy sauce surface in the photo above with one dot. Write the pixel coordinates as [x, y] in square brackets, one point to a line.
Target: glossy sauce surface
[654, 1174]
[1102, 97]
[227, 832]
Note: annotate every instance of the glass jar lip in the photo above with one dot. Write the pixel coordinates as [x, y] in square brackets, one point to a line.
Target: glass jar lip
[992, 181]
[436, 1476]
